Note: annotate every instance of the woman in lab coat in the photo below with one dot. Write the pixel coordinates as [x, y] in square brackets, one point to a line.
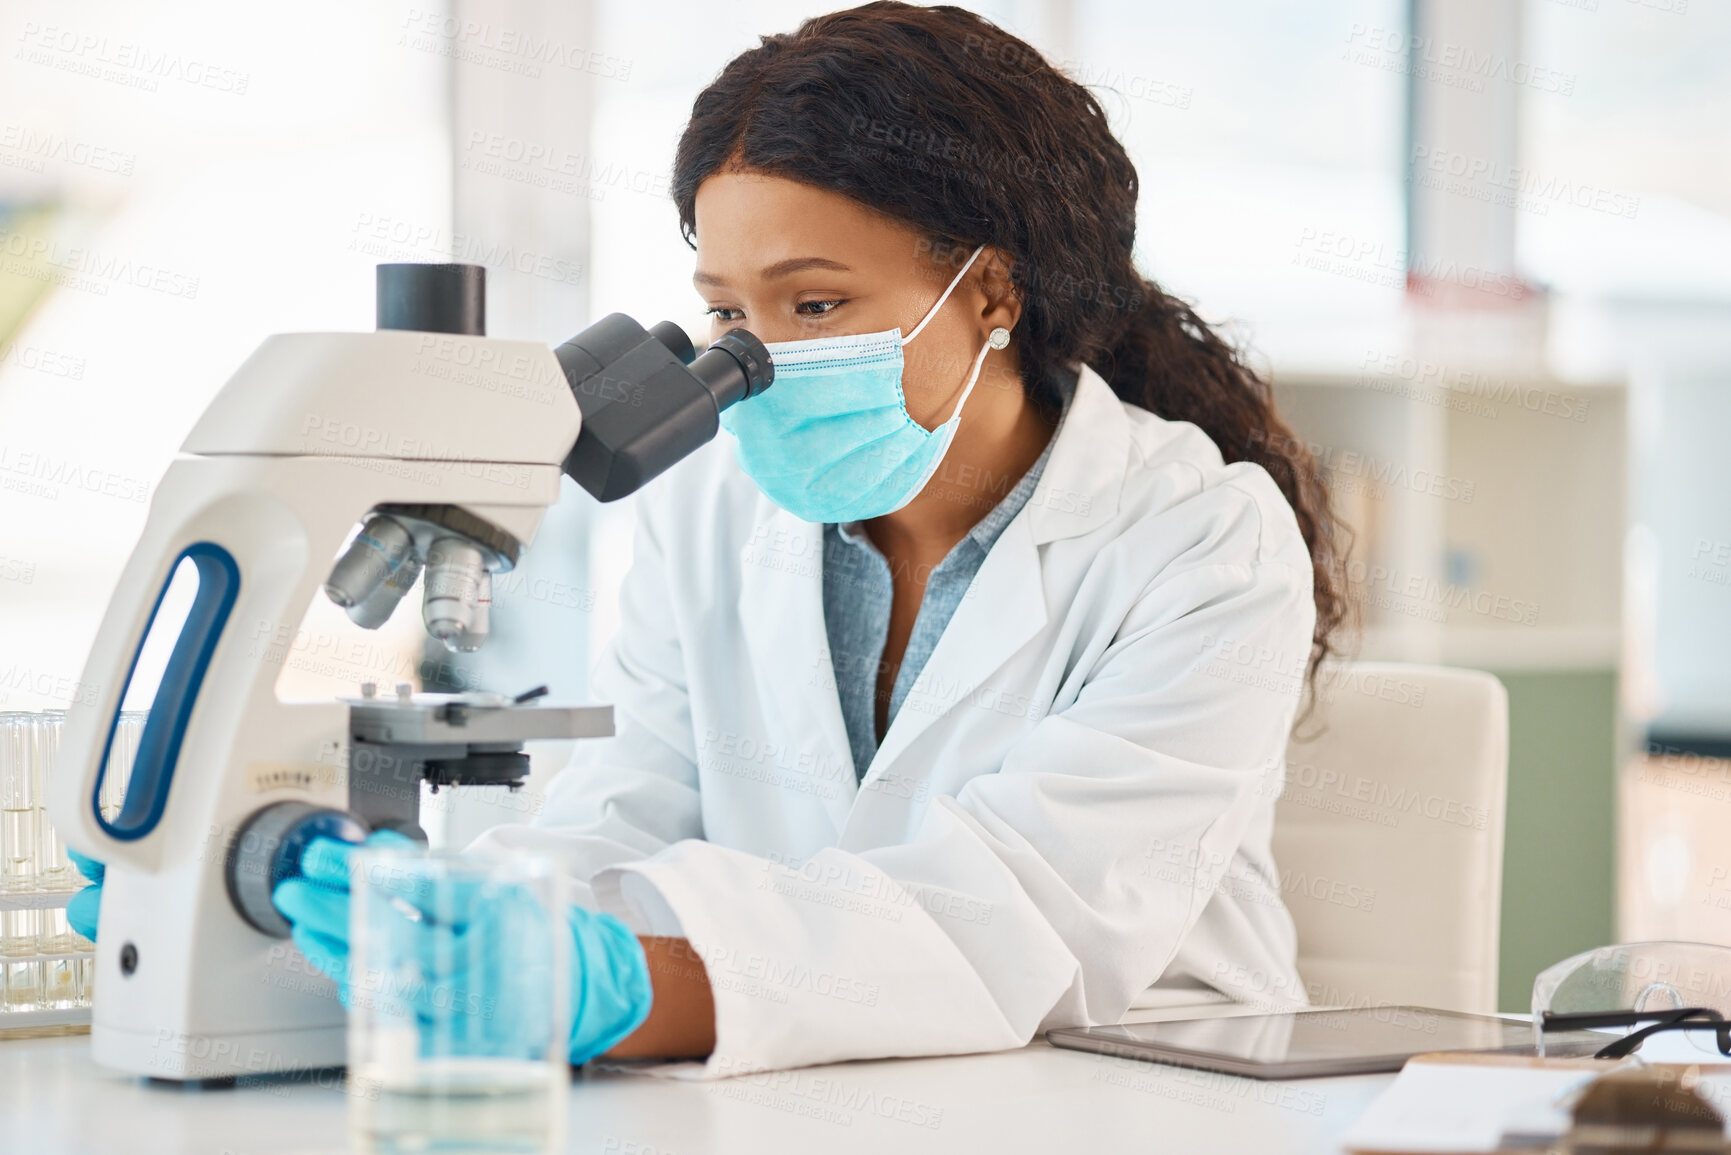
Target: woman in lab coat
[939, 728]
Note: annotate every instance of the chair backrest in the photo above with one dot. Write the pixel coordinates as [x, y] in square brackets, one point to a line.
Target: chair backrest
[1389, 836]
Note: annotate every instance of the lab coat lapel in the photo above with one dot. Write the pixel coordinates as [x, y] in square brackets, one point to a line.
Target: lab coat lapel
[1005, 607]
[1084, 478]
[781, 607]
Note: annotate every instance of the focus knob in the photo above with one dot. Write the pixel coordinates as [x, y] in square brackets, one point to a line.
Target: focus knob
[268, 849]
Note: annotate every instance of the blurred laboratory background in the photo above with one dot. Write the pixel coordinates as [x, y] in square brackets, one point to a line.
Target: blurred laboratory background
[1481, 247]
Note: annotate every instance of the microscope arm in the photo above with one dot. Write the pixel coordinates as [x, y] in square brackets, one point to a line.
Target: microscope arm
[132, 835]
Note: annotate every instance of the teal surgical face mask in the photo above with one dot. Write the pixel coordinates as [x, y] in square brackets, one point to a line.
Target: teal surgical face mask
[831, 440]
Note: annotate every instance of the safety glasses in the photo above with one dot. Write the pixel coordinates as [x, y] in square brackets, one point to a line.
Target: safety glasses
[1653, 987]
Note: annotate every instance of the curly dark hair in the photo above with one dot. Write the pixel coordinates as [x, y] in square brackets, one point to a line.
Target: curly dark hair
[938, 118]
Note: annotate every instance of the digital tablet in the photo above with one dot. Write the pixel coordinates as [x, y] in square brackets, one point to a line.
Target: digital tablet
[1309, 1044]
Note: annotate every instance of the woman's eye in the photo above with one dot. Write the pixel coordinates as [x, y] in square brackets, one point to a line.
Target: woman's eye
[723, 313]
[815, 308]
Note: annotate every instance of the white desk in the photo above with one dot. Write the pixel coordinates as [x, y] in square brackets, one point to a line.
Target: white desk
[55, 1101]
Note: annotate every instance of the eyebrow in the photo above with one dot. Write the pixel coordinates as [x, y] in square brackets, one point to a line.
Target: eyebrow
[779, 269]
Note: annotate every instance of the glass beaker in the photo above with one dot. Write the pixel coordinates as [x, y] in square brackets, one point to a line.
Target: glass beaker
[458, 997]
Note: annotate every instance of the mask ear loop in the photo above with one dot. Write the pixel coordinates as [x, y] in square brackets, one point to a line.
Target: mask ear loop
[933, 311]
[974, 377]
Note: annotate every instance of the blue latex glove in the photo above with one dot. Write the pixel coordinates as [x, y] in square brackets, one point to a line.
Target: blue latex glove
[86, 905]
[610, 988]
[610, 985]
[316, 902]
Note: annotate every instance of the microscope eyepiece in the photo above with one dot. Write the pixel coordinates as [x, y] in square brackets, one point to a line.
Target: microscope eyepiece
[647, 401]
[675, 338]
[752, 358]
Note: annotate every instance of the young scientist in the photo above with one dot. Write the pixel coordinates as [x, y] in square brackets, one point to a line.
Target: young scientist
[923, 745]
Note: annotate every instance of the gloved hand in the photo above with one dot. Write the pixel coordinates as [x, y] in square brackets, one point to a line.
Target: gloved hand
[317, 902]
[610, 986]
[86, 905]
[610, 989]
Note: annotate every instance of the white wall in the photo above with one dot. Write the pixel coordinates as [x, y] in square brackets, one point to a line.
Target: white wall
[214, 174]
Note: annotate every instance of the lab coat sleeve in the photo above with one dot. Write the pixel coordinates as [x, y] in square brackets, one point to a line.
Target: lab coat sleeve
[1046, 894]
[626, 797]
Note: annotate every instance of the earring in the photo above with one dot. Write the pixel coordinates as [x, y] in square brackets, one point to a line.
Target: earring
[999, 338]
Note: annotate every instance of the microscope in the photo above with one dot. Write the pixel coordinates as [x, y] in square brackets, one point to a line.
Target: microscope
[423, 452]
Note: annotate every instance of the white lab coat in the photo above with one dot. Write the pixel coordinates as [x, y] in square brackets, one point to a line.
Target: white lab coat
[1074, 801]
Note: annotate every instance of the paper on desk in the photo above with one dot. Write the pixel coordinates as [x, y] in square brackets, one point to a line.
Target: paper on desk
[1448, 1108]
[1444, 1108]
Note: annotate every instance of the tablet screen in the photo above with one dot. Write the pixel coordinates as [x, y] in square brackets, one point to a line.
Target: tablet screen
[1314, 1035]
[1305, 1043]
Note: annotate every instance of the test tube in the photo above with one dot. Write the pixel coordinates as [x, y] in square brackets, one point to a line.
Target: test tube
[23, 991]
[17, 803]
[20, 931]
[59, 983]
[54, 869]
[120, 756]
[57, 935]
[20, 981]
